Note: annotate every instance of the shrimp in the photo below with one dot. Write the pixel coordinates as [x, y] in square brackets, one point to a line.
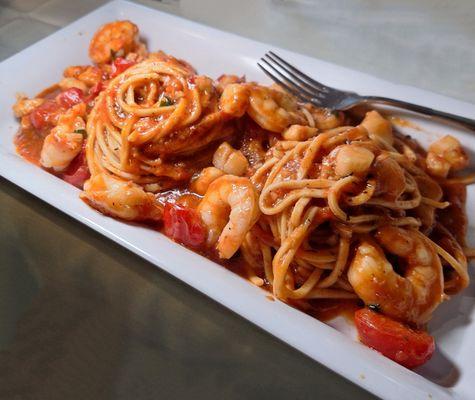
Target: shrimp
[68, 83]
[206, 89]
[410, 297]
[272, 109]
[379, 128]
[59, 149]
[229, 209]
[230, 160]
[352, 159]
[225, 80]
[122, 199]
[24, 105]
[445, 155]
[323, 118]
[234, 100]
[201, 183]
[65, 140]
[85, 73]
[115, 39]
[299, 132]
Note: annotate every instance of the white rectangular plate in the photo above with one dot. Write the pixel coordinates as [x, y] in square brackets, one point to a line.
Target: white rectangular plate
[450, 374]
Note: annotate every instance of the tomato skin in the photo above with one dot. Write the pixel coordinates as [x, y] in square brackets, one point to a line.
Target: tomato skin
[70, 97]
[183, 225]
[44, 115]
[120, 65]
[95, 90]
[409, 347]
[78, 172]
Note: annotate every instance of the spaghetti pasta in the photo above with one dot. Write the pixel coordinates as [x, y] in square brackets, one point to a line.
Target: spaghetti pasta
[148, 118]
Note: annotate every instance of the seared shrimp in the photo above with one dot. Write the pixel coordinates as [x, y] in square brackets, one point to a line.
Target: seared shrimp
[85, 73]
[379, 129]
[24, 105]
[59, 149]
[68, 83]
[323, 118]
[122, 199]
[229, 209]
[230, 160]
[272, 109]
[115, 39]
[65, 140]
[411, 296]
[446, 155]
[225, 80]
[235, 99]
[352, 159]
[299, 132]
[201, 183]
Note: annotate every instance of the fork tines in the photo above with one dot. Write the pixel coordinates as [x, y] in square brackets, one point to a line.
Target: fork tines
[293, 80]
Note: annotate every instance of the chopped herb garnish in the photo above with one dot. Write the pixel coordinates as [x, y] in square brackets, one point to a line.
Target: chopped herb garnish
[374, 307]
[165, 102]
[81, 131]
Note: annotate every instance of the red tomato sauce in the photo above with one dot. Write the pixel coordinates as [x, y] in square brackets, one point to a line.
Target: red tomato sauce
[28, 144]
[328, 309]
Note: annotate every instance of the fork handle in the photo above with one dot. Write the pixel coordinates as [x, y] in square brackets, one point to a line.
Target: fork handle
[467, 122]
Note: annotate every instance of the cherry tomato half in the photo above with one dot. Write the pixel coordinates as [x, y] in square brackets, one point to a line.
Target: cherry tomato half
[183, 225]
[95, 90]
[120, 65]
[70, 97]
[408, 347]
[44, 115]
[78, 172]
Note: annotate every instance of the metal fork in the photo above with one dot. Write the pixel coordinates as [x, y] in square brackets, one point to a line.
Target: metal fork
[311, 91]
